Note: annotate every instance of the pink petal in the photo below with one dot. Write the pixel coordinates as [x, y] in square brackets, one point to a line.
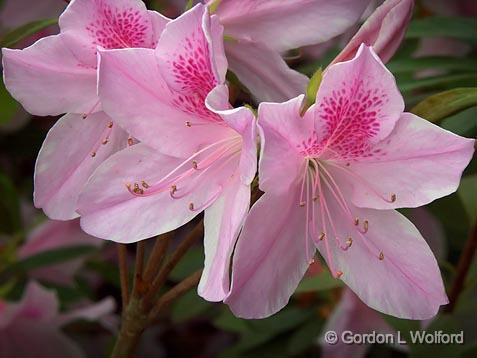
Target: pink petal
[270, 258]
[263, 71]
[72, 150]
[282, 131]
[384, 30]
[47, 79]
[110, 211]
[109, 24]
[429, 160]
[353, 315]
[390, 267]
[191, 54]
[134, 92]
[91, 312]
[223, 221]
[37, 304]
[287, 24]
[243, 121]
[55, 235]
[358, 104]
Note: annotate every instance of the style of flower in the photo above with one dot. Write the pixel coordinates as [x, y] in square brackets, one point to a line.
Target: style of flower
[196, 152]
[331, 179]
[259, 31]
[58, 74]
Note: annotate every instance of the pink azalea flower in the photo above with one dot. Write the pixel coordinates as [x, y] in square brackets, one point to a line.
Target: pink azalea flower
[331, 180]
[53, 235]
[191, 158]
[33, 325]
[58, 74]
[262, 29]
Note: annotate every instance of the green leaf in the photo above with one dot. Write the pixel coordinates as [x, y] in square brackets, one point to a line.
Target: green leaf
[10, 216]
[22, 32]
[189, 5]
[403, 65]
[313, 87]
[463, 123]
[213, 6]
[458, 27]
[439, 82]
[468, 195]
[305, 336]
[7, 104]
[52, 257]
[192, 261]
[444, 104]
[324, 281]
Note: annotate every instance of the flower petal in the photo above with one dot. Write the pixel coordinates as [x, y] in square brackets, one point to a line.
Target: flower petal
[289, 24]
[47, 79]
[270, 258]
[263, 71]
[243, 121]
[384, 30]
[222, 221]
[390, 267]
[110, 211]
[72, 150]
[358, 104]
[135, 94]
[282, 131]
[429, 160]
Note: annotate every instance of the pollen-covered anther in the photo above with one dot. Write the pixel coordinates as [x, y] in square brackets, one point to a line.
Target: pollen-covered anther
[356, 221]
[110, 125]
[322, 236]
[105, 141]
[137, 189]
[194, 164]
[315, 198]
[188, 124]
[349, 242]
[191, 206]
[302, 203]
[130, 141]
[84, 116]
[93, 154]
[339, 274]
[144, 184]
[393, 198]
[381, 256]
[365, 226]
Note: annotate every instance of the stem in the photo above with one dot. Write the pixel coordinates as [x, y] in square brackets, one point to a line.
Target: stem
[139, 268]
[175, 292]
[463, 267]
[134, 322]
[161, 278]
[157, 257]
[123, 274]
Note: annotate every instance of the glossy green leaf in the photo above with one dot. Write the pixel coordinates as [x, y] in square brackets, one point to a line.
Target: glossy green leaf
[438, 82]
[407, 64]
[463, 123]
[458, 27]
[323, 281]
[468, 195]
[313, 86]
[13, 37]
[444, 104]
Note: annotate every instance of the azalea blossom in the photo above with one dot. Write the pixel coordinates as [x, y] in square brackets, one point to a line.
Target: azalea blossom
[33, 325]
[54, 235]
[331, 180]
[259, 31]
[58, 74]
[196, 152]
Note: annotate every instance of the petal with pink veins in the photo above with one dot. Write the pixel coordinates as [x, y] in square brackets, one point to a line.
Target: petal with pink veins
[139, 193]
[270, 258]
[384, 30]
[263, 71]
[47, 79]
[72, 150]
[429, 160]
[135, 94]
[288, 24]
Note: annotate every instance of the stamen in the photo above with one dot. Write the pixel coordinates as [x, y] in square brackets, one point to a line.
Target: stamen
[356, 221]
[93, 154]
[110, 125]
[393, 198]
[207, 202]
[194, 164]
[191, 206]
[365, 226]
[188, 124]
[130, 141]
[381, 256]
[349, 242]
[137, 189]
[322, 236]
[144, 185]
[84, 116]
[106, 140]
